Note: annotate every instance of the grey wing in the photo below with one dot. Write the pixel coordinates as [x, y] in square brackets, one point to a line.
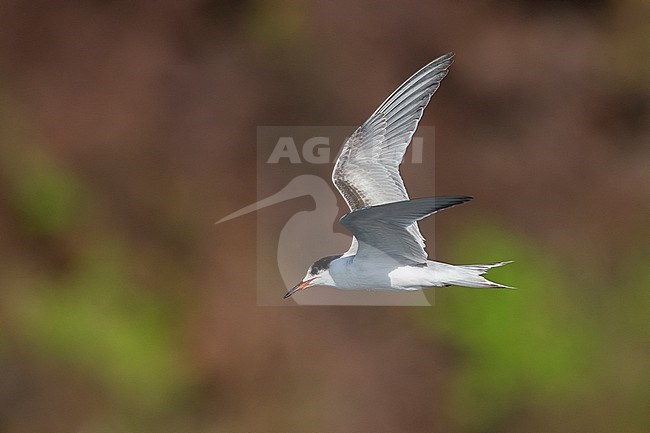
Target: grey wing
[383, 230]
[367, 170]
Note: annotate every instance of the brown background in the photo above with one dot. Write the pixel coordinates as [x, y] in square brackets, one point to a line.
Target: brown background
[128, 128]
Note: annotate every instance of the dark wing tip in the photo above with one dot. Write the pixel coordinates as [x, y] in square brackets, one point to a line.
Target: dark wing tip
[450, 200]
[443, 202]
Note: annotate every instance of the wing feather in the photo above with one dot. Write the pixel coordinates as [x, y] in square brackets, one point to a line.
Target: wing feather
[383, 230]
[366, 172]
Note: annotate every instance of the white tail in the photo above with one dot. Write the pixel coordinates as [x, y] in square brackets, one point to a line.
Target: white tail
[472, 276]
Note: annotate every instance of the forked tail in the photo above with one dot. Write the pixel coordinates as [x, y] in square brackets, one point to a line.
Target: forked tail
[472, 276]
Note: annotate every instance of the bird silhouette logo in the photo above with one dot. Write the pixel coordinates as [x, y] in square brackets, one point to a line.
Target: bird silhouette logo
[387, 255]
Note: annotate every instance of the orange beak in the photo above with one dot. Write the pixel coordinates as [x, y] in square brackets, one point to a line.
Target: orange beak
[298, 287]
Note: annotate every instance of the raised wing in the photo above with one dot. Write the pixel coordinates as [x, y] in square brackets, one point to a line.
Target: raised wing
[383, 230]
[367, 170]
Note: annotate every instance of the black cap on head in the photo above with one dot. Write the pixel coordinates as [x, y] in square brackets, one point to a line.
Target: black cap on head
[322, 264]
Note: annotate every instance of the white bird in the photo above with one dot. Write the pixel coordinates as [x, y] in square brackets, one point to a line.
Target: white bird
[387, 251]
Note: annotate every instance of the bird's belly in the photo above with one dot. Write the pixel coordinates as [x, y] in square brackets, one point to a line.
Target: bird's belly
[413, 278]
[393, 278]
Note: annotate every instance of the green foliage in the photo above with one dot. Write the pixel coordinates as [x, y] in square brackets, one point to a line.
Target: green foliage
[530, 344]
[89, 312]
[45, 196]
[99, 321]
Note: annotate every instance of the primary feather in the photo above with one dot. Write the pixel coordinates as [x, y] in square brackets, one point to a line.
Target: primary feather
[366, 172]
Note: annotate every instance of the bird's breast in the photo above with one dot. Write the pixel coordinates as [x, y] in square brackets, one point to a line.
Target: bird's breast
[378, 276]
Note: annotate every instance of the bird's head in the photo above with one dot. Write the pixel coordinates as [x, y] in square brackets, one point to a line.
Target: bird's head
[318, 274]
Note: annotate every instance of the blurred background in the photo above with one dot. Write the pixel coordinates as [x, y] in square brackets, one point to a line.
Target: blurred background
[128, 128]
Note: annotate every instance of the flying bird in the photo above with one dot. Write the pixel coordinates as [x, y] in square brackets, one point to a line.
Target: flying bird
[387, 251]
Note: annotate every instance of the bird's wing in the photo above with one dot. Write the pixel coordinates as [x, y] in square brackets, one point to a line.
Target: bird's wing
[383, 230]
[366, 172]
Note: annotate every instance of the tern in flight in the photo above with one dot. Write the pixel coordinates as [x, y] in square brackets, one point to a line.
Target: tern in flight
[387, 251]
